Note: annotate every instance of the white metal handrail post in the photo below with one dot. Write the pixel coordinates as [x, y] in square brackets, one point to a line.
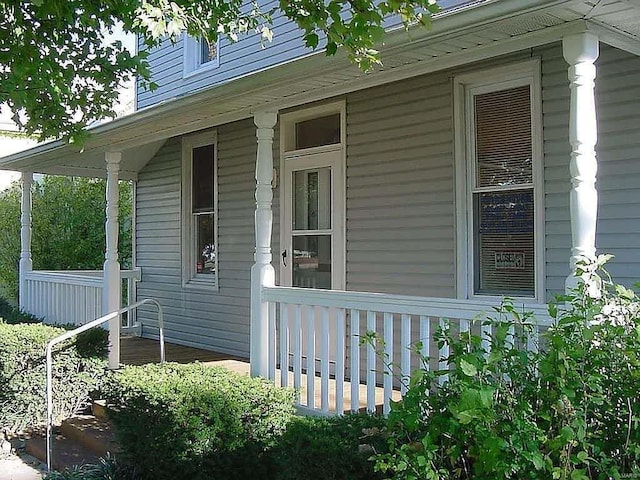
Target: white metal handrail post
[66, 336]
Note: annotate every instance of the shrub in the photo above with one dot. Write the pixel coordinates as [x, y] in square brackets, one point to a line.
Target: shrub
[108, 468]
[192, 421]
[568, 409]
[329, 448]
[22, 376]
[13, 315]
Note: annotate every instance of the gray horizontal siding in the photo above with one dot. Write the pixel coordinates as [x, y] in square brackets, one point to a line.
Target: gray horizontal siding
[555, 114]
[400, 201]
[618, 150]
[216, 320]
[400, 210]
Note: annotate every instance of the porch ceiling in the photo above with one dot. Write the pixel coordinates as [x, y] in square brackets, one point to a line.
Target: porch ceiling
[471, 32]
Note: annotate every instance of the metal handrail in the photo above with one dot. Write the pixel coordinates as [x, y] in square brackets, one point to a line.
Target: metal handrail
[83, 328]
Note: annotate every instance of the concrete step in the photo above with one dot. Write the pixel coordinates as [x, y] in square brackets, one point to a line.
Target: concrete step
[79, 440]
[99, 409]
[66, 452]
[94, 434]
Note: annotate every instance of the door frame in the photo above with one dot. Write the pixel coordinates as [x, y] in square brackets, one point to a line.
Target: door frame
[307, 159]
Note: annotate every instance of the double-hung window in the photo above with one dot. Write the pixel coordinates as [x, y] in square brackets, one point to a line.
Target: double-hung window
[199, 207]
[499, 196]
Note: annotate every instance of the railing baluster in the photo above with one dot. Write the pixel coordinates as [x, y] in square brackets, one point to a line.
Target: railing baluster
[444, 355]
[284, 344]
[296, 337]
[324, 361]
[340, 359]
[425, 340]
[405, 349]
[311, 357]
[371, 364]
[485, 334]
[355, 360]
[272, 341]
[387, 381]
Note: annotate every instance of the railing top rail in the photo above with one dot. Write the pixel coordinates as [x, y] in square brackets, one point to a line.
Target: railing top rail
[77, 277]
[398, 304]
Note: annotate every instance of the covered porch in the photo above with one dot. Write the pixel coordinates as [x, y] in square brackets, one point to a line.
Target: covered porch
[311, 338]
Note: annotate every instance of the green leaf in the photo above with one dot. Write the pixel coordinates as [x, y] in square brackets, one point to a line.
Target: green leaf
[467, 368]
[311, 40]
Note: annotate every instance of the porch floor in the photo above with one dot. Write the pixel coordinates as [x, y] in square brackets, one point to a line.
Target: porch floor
[139, 351]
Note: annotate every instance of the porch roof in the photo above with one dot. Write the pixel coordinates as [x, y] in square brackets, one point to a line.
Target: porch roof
[467, 32]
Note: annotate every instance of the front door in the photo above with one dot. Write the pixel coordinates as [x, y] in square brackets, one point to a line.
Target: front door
[312, 245]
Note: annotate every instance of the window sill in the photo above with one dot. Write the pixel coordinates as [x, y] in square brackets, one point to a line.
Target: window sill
[201, 284]
[200, 69]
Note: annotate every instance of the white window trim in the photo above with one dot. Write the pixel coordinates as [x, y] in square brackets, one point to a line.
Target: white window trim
[524, 73]
[191, 57]
[190, 279]
[287, 133]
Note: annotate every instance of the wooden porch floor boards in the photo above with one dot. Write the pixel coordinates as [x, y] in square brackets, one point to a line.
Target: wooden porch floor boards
[139, 351]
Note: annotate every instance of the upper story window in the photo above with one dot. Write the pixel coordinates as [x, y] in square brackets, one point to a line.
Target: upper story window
[200, 253]
[499, 174]
[200, 55]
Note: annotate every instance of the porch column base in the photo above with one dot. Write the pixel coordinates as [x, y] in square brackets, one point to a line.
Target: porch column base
[581, 51]
[262, 272]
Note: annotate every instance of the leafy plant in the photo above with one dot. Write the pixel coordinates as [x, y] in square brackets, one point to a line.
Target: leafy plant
[207, 422]
[22, 376]
[514, 404]
[68, 227]
[327, 448]
[107, 468]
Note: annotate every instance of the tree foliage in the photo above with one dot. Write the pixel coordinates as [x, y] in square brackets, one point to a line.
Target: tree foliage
[58, 74]
[67, 227]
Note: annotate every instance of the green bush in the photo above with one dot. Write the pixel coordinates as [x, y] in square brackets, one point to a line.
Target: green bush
[329, 448]
[192, 421]
[108, 468]
[567, 409]
[22, 376]
[13, 315]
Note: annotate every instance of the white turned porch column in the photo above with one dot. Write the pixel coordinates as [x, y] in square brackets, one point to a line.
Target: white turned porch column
[26, 263]
[111, 279]
[580, 51]
[262, 272]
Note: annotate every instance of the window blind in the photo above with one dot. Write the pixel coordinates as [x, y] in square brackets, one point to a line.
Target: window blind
[503, 138]
[504, 216]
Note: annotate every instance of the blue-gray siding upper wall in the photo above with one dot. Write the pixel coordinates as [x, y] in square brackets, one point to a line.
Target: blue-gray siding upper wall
[244, 57]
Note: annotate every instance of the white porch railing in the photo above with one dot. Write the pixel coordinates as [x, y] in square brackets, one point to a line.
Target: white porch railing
[314, 338]
[74, 296]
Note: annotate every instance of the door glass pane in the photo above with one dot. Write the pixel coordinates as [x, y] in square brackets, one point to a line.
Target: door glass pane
[312, 199]
[312, 261]
[205, 248]
[505, 263]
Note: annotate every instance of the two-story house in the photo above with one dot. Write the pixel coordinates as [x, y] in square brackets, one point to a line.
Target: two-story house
[287, 202]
